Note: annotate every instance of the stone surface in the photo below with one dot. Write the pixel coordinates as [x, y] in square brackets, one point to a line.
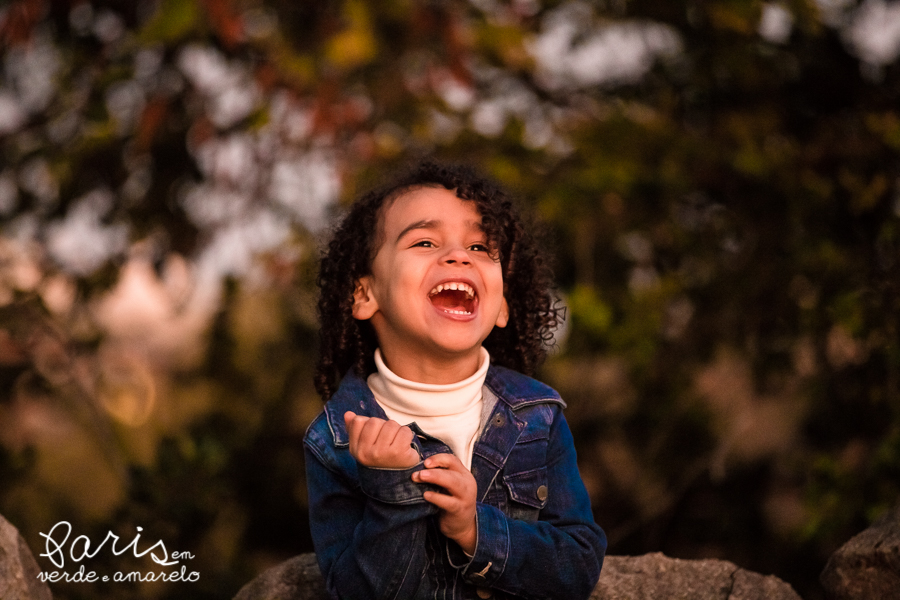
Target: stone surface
[868, 566]
[296, 579]
[655, 575]
[18, 568]
[647, 577]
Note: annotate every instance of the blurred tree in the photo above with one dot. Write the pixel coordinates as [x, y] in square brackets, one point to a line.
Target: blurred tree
[719, 179]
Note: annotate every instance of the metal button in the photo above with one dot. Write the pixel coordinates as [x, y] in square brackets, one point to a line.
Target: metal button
[499, 421]
[542, 493]
[484, 592]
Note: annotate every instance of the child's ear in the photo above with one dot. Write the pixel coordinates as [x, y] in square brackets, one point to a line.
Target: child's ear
[503, 317]
[364, 303]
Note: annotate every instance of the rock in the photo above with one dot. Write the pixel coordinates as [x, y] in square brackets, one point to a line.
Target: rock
[18, 569]
[657, 576]
[868, 566]
[296, 579]
[753, 586]
[647, 577]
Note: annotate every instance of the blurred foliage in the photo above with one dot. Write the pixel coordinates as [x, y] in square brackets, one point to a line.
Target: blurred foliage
[719, 181]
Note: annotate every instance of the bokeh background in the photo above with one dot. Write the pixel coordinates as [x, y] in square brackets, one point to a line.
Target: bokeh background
[719, 180]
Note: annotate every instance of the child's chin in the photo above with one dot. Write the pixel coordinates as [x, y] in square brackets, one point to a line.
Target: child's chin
[461, 345]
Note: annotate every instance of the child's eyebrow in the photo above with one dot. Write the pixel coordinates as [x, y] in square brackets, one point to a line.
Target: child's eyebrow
[424, 224]
[433, 224]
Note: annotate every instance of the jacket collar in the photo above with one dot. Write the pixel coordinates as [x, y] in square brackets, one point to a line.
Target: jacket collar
[517, 390]
[511, 388]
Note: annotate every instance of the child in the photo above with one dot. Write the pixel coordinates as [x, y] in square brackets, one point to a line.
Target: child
[436, 469]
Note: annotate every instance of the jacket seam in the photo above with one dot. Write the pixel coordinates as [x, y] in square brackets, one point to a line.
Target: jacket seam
[324, 460]
[527, 403]
[403, 579]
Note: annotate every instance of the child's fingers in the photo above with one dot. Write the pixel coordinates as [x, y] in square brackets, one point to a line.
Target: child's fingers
[404, 437]
[387, 433]
[441, 478]
[445, 461]
[444, 478]
[354, 424]
[459, 484]
[395, 444]
[450, 504]
[378, 442]
[353, 420]
[364, 431]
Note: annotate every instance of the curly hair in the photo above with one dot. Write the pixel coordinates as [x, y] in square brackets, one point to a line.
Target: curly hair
[346, 343]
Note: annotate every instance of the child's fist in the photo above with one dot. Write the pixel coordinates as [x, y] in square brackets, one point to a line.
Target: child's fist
[378, 443]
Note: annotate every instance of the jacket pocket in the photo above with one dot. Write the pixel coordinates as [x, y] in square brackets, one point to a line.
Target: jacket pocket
[528, 493]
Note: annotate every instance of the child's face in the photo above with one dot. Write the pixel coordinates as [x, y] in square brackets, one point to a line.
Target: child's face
[432, 242]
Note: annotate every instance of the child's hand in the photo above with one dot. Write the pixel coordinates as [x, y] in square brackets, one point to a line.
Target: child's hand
[378, 443]
[457, 519]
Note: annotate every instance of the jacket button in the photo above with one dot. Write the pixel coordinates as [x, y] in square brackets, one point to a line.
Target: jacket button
[542, 493]
[484, 592]
[499, 421]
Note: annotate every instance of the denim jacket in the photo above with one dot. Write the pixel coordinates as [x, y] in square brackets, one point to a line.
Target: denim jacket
[376, 537]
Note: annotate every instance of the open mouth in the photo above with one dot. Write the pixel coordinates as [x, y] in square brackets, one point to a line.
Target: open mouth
[453, 297]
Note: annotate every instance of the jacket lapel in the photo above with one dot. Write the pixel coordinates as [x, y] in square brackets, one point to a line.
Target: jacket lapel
[497, 440]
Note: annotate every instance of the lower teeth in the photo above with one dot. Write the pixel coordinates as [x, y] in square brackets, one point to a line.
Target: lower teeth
[458, 312]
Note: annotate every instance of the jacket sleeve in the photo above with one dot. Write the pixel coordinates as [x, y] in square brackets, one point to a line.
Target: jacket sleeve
[558, 556]
[368, 532]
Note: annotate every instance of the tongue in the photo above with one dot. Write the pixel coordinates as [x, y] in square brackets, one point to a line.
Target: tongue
[452, 300]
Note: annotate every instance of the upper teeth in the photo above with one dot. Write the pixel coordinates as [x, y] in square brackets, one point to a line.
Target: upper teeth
[454, 285]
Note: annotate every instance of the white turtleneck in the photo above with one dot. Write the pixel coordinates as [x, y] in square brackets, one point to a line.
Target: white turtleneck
[451, 412]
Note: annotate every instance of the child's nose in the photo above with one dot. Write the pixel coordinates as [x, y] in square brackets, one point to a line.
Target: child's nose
[457, 255]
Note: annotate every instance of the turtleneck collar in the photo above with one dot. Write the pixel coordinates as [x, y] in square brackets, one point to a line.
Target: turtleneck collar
[427, 399]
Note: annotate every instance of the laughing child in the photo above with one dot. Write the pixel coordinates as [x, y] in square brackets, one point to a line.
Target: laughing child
[437, 469]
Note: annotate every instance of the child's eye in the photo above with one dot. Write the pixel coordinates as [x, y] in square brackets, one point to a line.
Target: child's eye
[423, 244]
[479, 248]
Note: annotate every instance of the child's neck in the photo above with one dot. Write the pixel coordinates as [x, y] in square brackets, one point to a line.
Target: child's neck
[431, 369]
